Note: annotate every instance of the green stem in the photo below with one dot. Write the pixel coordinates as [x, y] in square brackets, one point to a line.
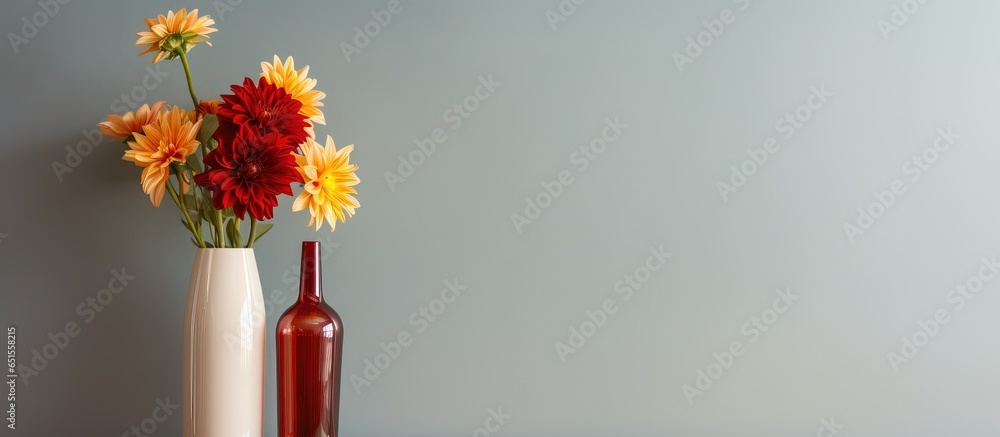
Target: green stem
[195, 190]
[220, 232]
[253, 232]
[179, 200]
[182, 172]
[187, 74]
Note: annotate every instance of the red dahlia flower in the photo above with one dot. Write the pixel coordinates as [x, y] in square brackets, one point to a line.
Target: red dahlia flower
[249, 172]
[264, 108]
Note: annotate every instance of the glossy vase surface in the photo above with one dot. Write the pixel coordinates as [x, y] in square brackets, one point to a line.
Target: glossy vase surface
[223, 355]
[309, 341]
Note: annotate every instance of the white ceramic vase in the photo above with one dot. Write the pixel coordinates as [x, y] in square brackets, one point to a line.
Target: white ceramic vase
[224, 334]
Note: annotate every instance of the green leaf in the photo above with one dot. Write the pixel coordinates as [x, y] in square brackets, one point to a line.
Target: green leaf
[186, 225]
[208, 207]
[233, 232]
[209, 123]
[228, 212]
[229, 232]
[194, 163]
[262, 229]
[206, 202]
[236, 233]
[190, 202]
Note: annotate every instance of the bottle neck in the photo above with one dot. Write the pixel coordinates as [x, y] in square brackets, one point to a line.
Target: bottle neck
[311, 275]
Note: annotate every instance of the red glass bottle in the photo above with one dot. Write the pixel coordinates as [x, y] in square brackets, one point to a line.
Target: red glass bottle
[309, 342]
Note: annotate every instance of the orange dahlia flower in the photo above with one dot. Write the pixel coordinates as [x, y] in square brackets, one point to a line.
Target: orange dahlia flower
[208, 107]
[124, 126]
[177, 31]
[167, 140]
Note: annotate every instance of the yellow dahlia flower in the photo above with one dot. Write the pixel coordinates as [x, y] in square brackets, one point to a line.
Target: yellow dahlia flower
[124, 126]
[168, 139]
[296, 83]
[177, 31]
[329, 182]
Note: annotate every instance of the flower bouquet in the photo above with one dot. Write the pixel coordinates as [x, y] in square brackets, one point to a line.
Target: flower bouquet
[223, 160]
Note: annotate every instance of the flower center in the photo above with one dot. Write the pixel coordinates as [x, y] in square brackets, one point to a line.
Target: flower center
[251, 170]
[267, 121]
[171, 152]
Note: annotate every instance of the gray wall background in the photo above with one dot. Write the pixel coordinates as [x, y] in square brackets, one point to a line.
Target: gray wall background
[824, 362]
